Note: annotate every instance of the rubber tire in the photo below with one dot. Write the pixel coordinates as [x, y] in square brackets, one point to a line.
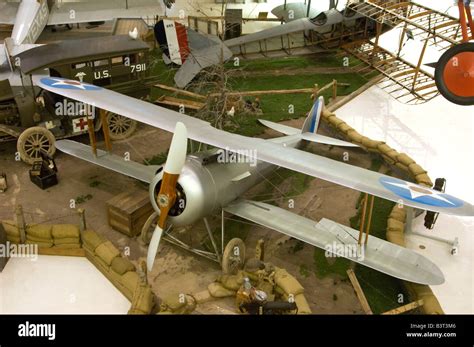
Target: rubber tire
[25, 135]
[439, 72]
[145, 235]
[129, 132]
[228, 256]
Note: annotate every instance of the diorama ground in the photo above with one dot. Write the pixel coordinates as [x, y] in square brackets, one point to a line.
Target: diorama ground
[327, 287]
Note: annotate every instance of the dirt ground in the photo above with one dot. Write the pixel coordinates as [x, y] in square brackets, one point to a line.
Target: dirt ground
[176, 270]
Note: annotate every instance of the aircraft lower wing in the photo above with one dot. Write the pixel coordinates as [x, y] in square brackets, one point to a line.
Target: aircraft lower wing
[354, 177]
[112, 162]
[95, 11]
[378, 254]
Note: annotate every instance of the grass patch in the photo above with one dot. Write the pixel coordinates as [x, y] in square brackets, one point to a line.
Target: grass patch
[83, 198]
[158, 159]
[323, 268]
[95, 184]
[304, 271]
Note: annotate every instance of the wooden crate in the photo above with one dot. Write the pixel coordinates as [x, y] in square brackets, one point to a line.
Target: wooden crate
[128, 212]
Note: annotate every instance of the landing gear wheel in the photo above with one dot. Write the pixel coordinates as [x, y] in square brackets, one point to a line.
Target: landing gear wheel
[120, 127]
[233, 258]
[32, 141]
[454, 74]
[147, 229]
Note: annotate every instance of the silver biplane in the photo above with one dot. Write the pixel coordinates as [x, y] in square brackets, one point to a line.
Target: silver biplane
[190, 187]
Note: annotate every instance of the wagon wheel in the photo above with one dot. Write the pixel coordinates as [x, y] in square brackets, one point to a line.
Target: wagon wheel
[148, 227]
[234, 256]
[120, 127]
[32, 141]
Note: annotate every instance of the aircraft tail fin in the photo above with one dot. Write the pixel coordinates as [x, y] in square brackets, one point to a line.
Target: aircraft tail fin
[313, 120]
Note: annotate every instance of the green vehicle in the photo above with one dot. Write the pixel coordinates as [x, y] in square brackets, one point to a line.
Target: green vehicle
[36, 118]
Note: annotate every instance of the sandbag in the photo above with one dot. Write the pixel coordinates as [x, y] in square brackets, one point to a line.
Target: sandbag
[396, 237]
[13, 239]
[302, 304]
[92, 240]
[217, 290]
[62, 231]
[354, 136]
[40, 244]
[66, 241]
[369, 143]
[175, 302]
[130, 280]
[38, 239]
[107, 252]
[11, 228]
[390, 157]
[232, 282]
[344, 128]
[335, 121]
[69, 246]
[402, 166]
[143, 300]
[288, 283]
[424, 179]
[395, 225]
[122, 265]
[404, 159]
[384, 148]
[399, 214]
[416, 169]
[39, 231]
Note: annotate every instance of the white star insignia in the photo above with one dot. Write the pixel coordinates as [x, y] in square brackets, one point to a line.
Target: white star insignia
[416, 192]
[77, 84]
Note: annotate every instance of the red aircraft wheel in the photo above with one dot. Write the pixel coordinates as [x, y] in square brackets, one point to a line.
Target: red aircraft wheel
[455, 74]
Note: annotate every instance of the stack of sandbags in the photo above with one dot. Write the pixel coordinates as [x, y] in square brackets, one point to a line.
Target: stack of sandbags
[217, 290]
[39, 234]
[387, 153]
[12, 231]
[232, 282]
[66, 236]
[106, 257]
[396, 225]
[143, 300]
[430, 302]
[178, 304]
[289, 287]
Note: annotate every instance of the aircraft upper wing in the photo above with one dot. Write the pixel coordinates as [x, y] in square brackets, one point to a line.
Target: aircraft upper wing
[378, 254]
[8, 12]
[95, 11]
[354, 177]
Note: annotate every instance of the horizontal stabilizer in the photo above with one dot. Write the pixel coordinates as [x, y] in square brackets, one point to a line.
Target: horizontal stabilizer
[338, 239]
[112, 162]
[284, 129]
[326, 140]
[281, 128]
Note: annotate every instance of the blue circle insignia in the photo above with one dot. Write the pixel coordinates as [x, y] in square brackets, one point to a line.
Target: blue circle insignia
[416, 193]
[63, 83]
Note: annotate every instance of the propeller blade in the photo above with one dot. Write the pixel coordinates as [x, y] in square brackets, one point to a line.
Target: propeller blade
[153, 247]
[178, 150]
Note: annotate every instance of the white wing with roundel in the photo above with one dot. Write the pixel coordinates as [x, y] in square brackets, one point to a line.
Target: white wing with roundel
[357, 178]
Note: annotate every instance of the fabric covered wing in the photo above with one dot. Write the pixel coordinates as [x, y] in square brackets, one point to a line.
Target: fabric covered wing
[379, 254]
[94, 11]
[274, 153]
[112, 162]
